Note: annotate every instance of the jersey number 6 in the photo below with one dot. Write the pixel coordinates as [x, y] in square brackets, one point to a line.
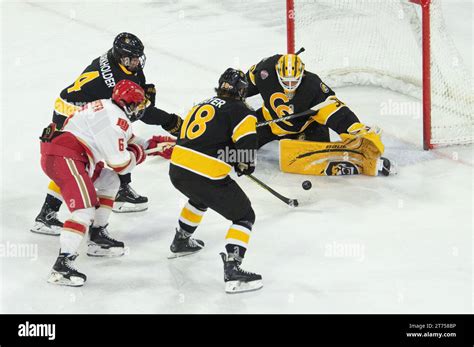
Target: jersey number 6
[200, 115]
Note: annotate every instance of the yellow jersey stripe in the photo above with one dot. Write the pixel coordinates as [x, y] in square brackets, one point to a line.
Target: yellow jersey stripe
[238, 235]
[200, 163]
[65, 108]
[124, 69]
[247, 126]
[54, 187]
[323, 114]
[191, 216]
[252, 74]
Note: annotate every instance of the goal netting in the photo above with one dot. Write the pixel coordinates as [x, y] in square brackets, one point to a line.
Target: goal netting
[382, 43]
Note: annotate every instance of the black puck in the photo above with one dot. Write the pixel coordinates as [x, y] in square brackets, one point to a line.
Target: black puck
[306, 185]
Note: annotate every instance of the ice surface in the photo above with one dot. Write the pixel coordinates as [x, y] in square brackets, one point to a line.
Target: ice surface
[356, 244]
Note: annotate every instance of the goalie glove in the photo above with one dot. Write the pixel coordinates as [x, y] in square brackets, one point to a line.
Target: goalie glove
[371, 135]
[161, 145]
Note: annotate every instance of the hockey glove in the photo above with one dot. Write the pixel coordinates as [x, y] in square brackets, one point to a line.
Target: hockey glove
[138, 151]
[370, 135]
[174, 126]
[163, 144]
[150, 93]
[244, 168]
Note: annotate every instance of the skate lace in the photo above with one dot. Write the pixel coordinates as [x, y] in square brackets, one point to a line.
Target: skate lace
[245, 272]
[192, 242]
[134, 193]
[69, 264]
[106, 235]
[52, 216]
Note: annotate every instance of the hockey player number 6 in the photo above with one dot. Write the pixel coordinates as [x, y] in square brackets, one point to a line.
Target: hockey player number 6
[202, 115]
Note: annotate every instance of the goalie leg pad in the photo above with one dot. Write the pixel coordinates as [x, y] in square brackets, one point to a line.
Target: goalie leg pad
[327, 158]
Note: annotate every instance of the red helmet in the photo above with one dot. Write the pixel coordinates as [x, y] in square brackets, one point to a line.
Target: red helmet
[131, 98]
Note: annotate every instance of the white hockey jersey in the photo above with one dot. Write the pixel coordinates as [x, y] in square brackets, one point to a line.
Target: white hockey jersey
[105, 132]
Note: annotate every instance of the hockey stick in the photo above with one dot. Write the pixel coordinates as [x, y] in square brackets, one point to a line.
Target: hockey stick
[159, 147]
[313, 110]
[290, 202]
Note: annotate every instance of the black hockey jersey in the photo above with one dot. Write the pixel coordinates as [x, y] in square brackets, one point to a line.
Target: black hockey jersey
[312, 91]
[211, 133]
[95, 82]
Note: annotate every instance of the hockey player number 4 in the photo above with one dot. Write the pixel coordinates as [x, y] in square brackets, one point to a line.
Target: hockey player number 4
[83, 79]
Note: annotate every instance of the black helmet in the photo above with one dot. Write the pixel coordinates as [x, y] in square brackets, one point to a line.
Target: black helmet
[126, 47]
[233, 83]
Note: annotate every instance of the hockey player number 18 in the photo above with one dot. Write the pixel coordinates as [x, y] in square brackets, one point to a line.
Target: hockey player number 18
[200, 115]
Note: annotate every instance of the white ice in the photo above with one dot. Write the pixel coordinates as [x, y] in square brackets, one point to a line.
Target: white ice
[359, 244]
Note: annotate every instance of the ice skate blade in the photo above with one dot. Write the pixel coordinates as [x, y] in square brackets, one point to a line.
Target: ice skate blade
[94, 250]
[181, 254]
[235, 287]
[40, 228]
[126, 207]
[58, 279]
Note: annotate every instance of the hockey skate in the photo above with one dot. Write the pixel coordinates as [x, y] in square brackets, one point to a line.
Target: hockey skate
[100, 244]
[385, 167]
[46, 222]
[184, 245]
[128, 200]
[238, 280]
[64, 273]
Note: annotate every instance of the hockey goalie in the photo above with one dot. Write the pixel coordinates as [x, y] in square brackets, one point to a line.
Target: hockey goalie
[288, 93]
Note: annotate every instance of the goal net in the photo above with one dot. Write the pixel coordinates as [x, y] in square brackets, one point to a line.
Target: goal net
[400, 45]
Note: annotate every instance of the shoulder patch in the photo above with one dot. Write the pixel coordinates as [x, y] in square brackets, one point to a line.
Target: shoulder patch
[123, 124]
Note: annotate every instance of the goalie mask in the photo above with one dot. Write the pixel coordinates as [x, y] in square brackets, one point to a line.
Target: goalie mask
[289, 69]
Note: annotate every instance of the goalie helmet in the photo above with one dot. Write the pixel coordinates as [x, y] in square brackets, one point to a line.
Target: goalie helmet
[233, 83]
[130, 97]
[289, 69]
[128, 50]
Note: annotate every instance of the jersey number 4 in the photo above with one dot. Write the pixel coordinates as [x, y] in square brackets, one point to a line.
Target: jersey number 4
[195, 122]
[83, 79]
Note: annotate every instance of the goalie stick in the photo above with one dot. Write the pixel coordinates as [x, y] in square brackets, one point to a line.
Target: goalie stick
[314, 110]
[290, 202]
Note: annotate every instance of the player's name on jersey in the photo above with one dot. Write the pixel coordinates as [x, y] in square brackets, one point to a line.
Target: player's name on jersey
[214, 101]
[106, 71]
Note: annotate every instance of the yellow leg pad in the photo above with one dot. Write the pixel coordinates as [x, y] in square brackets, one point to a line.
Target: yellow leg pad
[238, 235]
[191, 216]
[54, 187]
[326, 158]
